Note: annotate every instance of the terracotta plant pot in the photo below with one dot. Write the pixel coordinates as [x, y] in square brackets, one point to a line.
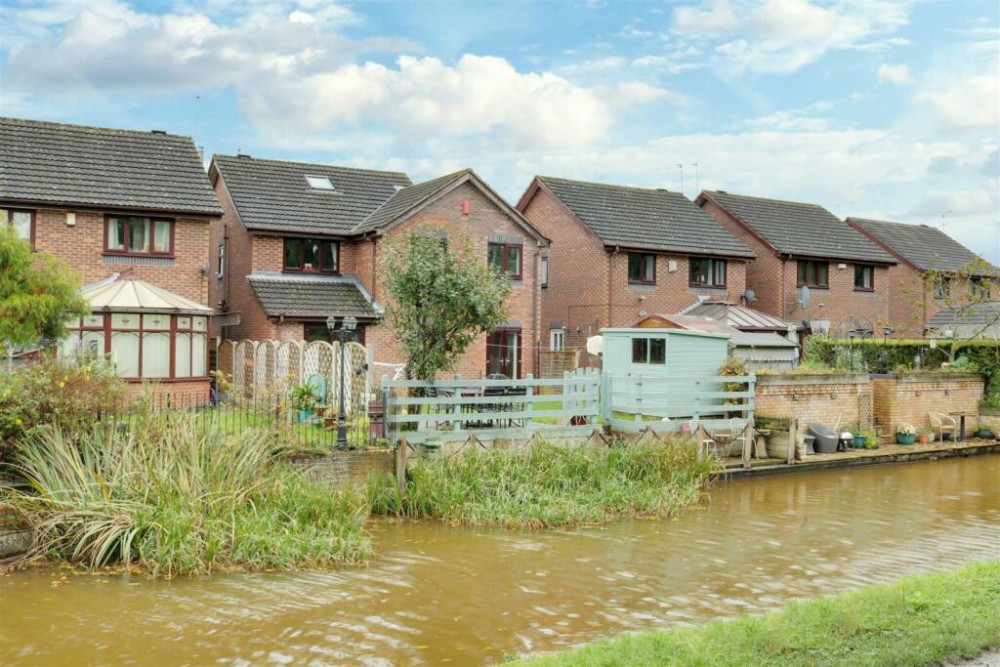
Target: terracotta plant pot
[922, 438]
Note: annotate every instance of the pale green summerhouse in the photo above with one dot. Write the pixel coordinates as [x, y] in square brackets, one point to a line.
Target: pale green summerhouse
[663, 352]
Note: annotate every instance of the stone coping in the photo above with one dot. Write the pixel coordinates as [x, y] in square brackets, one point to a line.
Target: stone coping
[928, 377]
[796, 380]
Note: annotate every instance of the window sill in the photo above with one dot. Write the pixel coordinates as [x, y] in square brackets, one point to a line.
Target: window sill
[818, 288]
[144, 255]
[309, 272]
[859, 290]
[714, 288]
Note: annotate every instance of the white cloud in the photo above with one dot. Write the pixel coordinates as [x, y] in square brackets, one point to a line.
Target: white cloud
[293, 69]
[896, 74]
[972, 103]
[712, 17]
[781, 36]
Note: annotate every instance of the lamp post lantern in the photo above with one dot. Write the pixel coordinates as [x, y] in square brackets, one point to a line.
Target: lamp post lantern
[851, 335]
[347, 326]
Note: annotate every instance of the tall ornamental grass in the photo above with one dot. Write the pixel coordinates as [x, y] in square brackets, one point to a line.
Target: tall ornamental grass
[548, 485]
[177, 495]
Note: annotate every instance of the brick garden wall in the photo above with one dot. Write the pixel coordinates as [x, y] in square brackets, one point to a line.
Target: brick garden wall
[812, 398]
[340, 468]
[909, 398]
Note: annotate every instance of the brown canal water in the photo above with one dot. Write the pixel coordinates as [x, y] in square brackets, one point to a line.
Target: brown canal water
[441, 595]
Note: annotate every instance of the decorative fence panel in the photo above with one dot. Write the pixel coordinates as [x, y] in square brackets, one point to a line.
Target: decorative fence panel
[455, 410]
[271, 368]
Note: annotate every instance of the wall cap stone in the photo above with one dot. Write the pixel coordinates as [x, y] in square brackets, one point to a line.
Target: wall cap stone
[795, 380]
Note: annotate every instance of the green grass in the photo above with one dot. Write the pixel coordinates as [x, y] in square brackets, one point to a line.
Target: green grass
[922, 620]
[178, 495]
[548, 485]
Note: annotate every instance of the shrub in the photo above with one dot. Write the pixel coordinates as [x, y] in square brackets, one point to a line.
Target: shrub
[548, 485]
[65, 393]
[178, 495]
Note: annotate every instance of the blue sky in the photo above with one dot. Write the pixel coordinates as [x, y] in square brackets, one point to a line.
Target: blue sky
[878, 108]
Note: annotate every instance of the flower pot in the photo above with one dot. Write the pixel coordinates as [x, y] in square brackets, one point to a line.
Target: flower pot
[905, 438]
[859, 442]
[304, 415]
[922, 438]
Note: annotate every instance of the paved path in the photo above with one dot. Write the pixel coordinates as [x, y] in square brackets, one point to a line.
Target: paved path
[988, 659]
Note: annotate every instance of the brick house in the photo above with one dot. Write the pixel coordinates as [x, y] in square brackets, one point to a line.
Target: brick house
[804, 245]
[130, 211]
[619, 253]
[300, 242]
[924, 278]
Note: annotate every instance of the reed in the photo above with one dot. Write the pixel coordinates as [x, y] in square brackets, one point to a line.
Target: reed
[177, 495]
[548, 485]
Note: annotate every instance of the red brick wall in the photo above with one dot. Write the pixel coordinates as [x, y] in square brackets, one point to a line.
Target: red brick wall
[178, 394]
[909, 399]
[577, 292]
[774, 280]
[485, 218]
[812, 398]
[581, 268]
[82, 247]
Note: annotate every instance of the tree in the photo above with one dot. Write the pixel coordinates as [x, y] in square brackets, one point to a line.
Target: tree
[966, 295]
[38, 294]
[442, 295]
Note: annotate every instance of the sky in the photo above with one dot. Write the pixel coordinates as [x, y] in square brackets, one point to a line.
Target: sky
[887, 109]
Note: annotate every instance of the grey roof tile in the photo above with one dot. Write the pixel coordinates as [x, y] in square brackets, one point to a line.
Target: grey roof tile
[404, 200]
[273, 194]
[799, 229]
[986, 313]
[927, 248]
[645, 218]
[311, 296]
[74, 164]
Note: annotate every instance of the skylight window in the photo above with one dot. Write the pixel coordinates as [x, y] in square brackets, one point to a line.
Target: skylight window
[319, 182]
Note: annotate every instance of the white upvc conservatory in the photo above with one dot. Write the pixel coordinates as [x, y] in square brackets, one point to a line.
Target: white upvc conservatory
[147, 332]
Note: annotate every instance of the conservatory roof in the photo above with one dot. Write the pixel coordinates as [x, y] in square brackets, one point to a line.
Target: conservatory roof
[128, 295]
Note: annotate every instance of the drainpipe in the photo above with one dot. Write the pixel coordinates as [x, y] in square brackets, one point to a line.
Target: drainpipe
[611, 256]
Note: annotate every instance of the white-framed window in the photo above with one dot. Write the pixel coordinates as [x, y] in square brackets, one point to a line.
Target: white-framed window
[557, 340]
[543, 273]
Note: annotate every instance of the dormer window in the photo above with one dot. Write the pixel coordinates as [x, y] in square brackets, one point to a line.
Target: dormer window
[319, 183]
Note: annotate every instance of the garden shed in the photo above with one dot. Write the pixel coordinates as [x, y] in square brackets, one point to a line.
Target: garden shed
[675, 352]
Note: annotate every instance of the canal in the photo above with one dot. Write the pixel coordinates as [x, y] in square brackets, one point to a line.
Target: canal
[440, 595]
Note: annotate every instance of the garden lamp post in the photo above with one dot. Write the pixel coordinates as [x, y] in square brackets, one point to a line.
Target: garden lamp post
[851, 335]
[884, 361]
[347, 326]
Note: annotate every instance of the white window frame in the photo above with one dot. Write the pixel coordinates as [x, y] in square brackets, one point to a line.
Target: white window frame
[557, 340]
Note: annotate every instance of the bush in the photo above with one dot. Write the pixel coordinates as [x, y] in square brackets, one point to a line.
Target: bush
[548, 485]
[178, 495]
[61, 392]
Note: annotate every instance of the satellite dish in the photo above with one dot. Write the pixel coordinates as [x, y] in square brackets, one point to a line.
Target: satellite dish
[804, 297]
[595, 345]
[749, 296]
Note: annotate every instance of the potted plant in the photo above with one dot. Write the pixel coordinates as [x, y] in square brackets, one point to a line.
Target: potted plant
[922, 437]
[906, 434]
[304, 400]
[871, 438]
[859, 439]
[984, 431]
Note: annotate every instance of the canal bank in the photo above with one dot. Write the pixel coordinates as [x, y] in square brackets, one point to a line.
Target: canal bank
[438, 594]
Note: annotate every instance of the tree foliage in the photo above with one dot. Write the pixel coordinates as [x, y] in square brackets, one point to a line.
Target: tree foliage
[38, 293]
[442, 296]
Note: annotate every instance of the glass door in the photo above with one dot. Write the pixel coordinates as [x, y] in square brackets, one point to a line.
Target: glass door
[503, 353]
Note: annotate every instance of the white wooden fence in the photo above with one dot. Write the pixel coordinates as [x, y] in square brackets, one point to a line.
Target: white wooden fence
[665, 403]
[454, 410]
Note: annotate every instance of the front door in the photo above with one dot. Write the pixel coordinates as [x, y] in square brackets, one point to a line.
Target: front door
[503, 353]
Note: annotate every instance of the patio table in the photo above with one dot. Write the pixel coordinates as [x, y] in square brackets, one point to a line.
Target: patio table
[961, 415]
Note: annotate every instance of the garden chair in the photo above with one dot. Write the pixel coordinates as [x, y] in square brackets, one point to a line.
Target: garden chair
[942, 424]
[516, 406]
[494, 392]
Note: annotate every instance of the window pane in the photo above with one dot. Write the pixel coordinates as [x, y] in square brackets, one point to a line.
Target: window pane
[183, 322]
[22, 224]
[124, 321]
[657, 351]
[116, 233]
[199, 355]
[802, 273]
[138, 234]
[513, 260]
[156, 355]
[93, 321]
[640, 347]
[161, 237]
[182, 356]
[649, 268]
[329, 256]
[199, 323]
[125, 353]
[93, 343]
[695, 272]
[495, 256]
[719, 266]
[634, 267]
[293, 249]
[70, 345]
[156, 321]
[544, 272]
[310, 261]
[821, 273]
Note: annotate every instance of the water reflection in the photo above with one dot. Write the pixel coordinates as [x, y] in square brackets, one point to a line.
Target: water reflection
[440, 595]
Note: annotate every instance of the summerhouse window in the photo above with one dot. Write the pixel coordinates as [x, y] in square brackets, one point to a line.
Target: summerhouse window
[649, 351]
